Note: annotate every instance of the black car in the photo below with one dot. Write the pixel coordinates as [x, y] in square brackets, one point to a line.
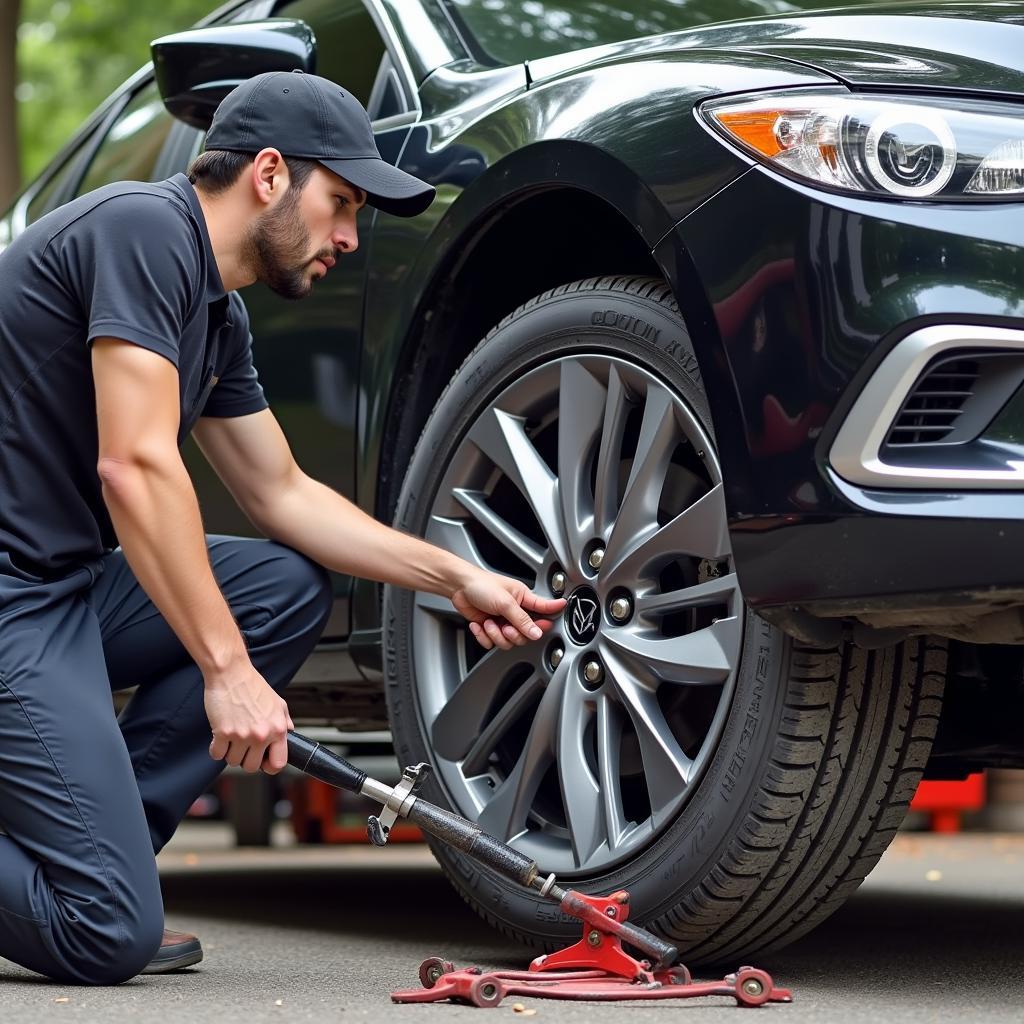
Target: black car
[716, 328]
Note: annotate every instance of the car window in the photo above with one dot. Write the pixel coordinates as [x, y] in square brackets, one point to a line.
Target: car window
[349, 49]
[132, 147]
[43, 201]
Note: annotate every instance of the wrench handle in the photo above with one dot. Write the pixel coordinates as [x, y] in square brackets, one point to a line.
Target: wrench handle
[308, 756]
[471, 839]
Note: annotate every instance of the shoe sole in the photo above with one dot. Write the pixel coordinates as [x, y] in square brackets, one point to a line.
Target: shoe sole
[176, 963]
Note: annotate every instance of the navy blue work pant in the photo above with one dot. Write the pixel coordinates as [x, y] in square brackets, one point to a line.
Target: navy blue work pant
[86, 799]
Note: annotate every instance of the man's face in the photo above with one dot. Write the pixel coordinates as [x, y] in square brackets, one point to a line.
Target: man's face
[298, 240]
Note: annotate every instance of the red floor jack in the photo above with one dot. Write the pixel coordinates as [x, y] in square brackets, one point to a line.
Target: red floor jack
[595, 968]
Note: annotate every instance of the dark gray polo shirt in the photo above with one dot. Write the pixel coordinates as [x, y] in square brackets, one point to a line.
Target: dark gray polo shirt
[132, 261]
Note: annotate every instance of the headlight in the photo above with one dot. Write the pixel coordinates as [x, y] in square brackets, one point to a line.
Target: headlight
[884, 145]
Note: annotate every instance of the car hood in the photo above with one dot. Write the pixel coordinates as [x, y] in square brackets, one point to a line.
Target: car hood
[974, 47]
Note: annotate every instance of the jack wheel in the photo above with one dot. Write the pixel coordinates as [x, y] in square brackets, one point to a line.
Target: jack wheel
[753, 987]
[486, 991]
[433, 969]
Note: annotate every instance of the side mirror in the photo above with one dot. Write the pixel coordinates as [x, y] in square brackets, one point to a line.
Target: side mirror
[196, 69]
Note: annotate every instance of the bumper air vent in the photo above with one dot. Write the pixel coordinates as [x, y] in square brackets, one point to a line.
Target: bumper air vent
[930, 412]
[943, 411]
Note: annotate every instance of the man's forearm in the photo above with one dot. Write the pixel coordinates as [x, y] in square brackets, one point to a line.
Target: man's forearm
[156, 516]
[323, 525]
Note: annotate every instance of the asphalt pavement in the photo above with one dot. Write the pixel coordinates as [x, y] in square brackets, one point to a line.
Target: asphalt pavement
[326, 933]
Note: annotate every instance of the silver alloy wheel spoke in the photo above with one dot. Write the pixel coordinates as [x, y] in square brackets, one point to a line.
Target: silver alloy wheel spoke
[518, 543]
[453, 535]
[505, 814]
[606, 496]
[667, 770]
[502, 438]
[700, 530]
[609, 741]
[704, 657]
[437, 605]
[581, 794]
[658, 437]
[475, 761]
[461, 719]
[581, 402]
[580, 776]
[717, 590]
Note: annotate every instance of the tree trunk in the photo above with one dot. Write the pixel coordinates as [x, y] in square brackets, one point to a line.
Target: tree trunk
[10, 163]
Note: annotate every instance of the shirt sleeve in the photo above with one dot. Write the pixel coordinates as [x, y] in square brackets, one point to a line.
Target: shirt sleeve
[238, 392]
[135, 262]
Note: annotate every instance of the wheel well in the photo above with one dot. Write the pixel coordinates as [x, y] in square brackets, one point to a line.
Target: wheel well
[548, 238]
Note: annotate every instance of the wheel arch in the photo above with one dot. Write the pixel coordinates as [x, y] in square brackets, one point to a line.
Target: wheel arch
[584, 235]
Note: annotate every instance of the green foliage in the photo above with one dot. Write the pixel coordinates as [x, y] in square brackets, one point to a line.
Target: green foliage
[71, 56]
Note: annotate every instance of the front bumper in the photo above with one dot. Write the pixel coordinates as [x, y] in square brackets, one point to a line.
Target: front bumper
[794, 298]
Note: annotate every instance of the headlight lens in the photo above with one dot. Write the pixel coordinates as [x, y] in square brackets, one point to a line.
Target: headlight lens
[883, 145]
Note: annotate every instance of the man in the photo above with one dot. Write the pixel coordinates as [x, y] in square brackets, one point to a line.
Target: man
[121, 333]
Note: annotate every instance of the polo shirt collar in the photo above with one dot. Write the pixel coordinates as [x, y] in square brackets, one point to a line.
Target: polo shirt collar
[214, 285]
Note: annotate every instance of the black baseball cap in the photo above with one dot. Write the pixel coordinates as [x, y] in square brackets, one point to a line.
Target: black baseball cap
[312, 118]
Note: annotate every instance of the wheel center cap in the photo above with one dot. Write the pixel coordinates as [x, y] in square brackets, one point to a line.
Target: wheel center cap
[582, 615]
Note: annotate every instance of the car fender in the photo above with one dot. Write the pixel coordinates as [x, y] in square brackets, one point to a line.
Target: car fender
[625, 133]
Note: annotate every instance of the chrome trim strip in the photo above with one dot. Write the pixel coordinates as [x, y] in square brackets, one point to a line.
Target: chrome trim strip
[855, 453]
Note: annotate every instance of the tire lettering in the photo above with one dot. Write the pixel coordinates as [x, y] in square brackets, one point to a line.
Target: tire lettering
[627, 323]
[700, 833]
[549, 913]
[750, 720]
[499, 899]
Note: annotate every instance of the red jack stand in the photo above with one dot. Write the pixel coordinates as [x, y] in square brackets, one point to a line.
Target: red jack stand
[605, 971]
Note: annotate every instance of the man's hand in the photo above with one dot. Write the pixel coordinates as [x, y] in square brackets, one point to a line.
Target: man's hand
[497, 608]
[248, 718]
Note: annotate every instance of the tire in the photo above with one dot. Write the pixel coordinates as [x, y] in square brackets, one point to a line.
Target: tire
[804, 761]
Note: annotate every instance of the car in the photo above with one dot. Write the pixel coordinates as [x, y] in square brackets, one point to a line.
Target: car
[715, 328]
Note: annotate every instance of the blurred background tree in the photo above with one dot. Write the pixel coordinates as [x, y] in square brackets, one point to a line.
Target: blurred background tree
[69, 57]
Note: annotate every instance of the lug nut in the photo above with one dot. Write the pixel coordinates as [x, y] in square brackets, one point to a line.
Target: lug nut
[556, 656]
[558, 582]
[596, 558]
[592, 672]
[621, 609]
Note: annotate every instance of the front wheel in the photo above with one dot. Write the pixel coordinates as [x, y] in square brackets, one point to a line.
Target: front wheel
[662, 739]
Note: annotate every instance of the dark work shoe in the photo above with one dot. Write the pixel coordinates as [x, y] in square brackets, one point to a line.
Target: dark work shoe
[177, 950]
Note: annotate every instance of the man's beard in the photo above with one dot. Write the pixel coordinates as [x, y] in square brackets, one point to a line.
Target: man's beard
[275, 249]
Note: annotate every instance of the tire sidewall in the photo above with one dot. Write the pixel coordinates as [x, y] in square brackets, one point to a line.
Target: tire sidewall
[648, 331]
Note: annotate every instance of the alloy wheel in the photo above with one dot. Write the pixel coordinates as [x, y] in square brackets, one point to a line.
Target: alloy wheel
[590, 478]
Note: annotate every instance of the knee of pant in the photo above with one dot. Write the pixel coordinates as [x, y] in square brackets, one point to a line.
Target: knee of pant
[309, 586]
[112, 952]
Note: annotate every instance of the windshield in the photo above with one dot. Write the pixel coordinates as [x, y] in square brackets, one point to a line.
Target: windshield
[511, 31]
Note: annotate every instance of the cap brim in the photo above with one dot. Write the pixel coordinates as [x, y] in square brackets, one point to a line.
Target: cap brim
[386, 187]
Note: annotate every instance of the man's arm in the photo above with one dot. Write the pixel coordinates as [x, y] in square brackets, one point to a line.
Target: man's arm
[252, 457]
[156, 517]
